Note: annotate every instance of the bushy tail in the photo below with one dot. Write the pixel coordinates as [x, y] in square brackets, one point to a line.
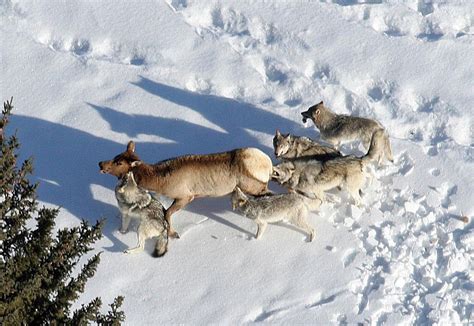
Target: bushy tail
[376, 149]
[388, 148]
[161, 245]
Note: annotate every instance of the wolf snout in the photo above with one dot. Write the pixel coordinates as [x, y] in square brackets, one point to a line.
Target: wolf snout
[306, 116]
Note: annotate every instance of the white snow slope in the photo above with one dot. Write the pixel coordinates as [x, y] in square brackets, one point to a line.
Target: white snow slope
[181, 77]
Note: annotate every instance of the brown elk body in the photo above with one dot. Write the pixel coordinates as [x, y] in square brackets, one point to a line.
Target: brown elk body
[191, 176]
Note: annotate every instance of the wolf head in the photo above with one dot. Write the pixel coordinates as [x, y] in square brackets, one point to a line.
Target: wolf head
[238, 198]
[120, 164]
[283, 172]
[315, 113]
[281, 143]
[127, 183]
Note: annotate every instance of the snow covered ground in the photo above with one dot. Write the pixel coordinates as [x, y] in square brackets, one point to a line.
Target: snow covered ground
[181, 76]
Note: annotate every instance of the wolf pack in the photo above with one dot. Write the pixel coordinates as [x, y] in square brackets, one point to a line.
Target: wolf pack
[306, 168]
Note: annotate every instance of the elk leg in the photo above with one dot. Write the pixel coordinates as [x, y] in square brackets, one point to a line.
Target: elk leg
[178, 203]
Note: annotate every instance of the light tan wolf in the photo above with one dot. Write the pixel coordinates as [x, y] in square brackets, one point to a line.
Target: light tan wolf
[292, 208]
[136, 202]
[289, 147]
[312, 177]
[337, 128]
[191, 176]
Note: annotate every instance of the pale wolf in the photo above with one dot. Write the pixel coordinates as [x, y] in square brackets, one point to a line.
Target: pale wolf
[136, 202]
[337, 128]
[292, 208]
[192, 176]
[312, 177]
[288, 147]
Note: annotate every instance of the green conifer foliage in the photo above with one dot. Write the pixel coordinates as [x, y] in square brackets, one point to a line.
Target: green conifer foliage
[36, 266]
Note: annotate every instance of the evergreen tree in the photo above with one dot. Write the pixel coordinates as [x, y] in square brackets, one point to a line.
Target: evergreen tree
[36, 282]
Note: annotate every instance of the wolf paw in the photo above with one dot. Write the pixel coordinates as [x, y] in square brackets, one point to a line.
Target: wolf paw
[173, 235]
[132, 250]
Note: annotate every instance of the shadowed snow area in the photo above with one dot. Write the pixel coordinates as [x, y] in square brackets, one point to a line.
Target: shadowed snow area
[181, 77]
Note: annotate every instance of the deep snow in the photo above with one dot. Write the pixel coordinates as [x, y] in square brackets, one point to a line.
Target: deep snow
[182, 77]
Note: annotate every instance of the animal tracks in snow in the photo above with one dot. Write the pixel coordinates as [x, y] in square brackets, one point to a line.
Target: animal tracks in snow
[100, 50]
[426, 21]
[276, 311]
[349, 257]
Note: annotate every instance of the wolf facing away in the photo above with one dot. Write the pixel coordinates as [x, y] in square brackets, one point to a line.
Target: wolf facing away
[192, 176]
[337, 128]
[292, 208]
[288, 147]
[313, 178]
[136, 202]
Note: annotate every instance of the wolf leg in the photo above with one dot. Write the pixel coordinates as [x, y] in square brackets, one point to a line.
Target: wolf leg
[366, 142]
[300, 222]
[178, 203]
[261, 226]
[354, 191]
[130, 210]
[334, 142]
[140, 245]
[125, 222]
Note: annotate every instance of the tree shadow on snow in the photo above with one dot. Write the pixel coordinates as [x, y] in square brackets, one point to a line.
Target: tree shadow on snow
[66, 166]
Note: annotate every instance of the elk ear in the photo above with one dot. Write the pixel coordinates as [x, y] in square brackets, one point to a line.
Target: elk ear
[131, 147]
[136, 163]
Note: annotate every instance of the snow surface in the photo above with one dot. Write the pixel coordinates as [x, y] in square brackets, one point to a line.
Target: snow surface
[182, 77]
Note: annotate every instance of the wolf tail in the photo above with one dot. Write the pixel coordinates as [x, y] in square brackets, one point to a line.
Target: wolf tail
[161, 245]
[376, 149]
[388, 148]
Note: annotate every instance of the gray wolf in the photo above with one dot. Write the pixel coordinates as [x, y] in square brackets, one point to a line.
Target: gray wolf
[292, 208]
[312, 177]
[136, 202]
[288, 147]
[192, 176]
[337, 128]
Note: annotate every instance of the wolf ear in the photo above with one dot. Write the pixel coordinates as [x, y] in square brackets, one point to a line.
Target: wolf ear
[275, 172]
[131, 147]
[291, 166]
[277, 133]
[131, 178]
[321, 103]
